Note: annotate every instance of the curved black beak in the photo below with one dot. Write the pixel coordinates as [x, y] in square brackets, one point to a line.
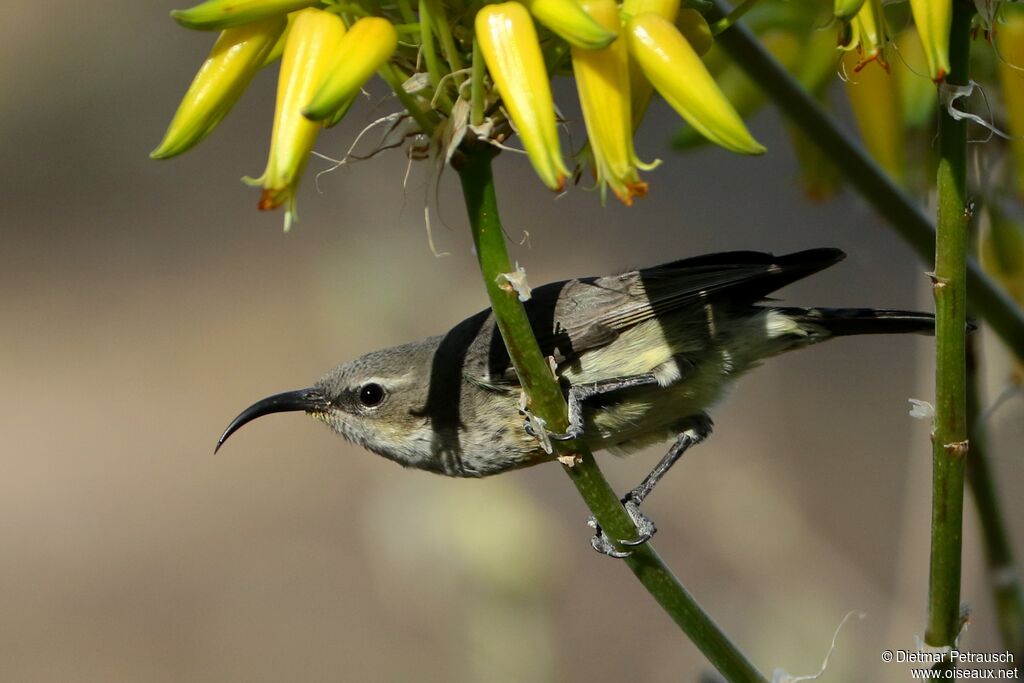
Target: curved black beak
[308, 400]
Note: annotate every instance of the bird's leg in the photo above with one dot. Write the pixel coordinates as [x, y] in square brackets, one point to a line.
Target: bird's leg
[698, 429]
[578, 393]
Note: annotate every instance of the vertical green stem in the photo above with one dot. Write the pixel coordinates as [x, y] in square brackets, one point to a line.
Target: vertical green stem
[949, 437]
[546, 401]
[1004, 578]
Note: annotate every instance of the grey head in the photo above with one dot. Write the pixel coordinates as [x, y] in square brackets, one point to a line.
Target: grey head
[375, 401]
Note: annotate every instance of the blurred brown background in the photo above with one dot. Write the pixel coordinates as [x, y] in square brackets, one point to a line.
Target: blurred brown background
[145, 303]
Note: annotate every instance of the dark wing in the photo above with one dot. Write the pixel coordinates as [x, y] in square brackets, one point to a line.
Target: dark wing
[574, 316]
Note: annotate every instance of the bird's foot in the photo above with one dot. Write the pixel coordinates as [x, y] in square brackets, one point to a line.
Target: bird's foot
[645, 529]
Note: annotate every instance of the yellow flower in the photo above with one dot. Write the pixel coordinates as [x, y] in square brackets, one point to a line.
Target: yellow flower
[602, 80]
[640, 89]
[508, 42]
[567, 19]
[933, 19]
[867, 34]
[218, 14]
[874, 98]
[308, 55]
[676, 71]
[235, 58]
[917, 93]
[368, 44]
[1010, 44]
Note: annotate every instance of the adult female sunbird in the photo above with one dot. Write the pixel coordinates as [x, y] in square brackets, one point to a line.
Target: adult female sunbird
[640, 357]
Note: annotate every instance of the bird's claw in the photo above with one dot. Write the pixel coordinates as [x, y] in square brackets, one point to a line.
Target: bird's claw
[645, 530]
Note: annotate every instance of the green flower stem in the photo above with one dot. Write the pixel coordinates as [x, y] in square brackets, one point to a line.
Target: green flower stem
[1007, 592]
[900, 210]
[949, 285]
[434, 70]
[444, 33]
[405, 9]
[546, 401]
[735, 15]
[395, 81]
[476, 87]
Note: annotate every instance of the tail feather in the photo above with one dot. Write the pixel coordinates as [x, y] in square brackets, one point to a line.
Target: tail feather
[839, 322]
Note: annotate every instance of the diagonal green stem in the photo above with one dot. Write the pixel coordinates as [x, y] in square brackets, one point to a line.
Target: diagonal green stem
[546, 401]
[900, 210]
[949, 285]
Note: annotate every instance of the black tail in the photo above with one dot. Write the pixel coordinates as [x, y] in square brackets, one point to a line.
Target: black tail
[838, 322]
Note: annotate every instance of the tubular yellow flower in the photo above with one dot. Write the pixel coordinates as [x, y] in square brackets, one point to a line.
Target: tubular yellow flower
[867, 33]
[218, 14]
[933, 19]
[308, 54]
[235, 58]
[602, 80]
[676, 71]
[874, 98]
[917, 93]
[640, 89]
[1010, 44]
[567, 19]
[508, 42]
[368, 44]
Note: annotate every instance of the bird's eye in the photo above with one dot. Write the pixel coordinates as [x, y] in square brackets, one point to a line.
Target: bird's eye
[371, 395]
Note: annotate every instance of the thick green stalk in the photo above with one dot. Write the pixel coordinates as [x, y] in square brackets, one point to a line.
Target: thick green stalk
[901, 212]
[949, 285]
[1004, 577]
[546, 401]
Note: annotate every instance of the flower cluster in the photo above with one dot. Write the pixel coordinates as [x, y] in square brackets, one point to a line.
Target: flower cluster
[459, 68]
[467, 69]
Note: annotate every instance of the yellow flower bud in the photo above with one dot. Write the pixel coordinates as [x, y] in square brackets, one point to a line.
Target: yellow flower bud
[676, 71]
[640, 89]
[218, 14]
[1010, 45]
[235, 58]
[368, 44]
[508, 43]
[567, 19]
[308, 55]
[933, 19]
[602, 80]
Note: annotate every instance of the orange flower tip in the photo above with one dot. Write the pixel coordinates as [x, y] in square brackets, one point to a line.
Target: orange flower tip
[636, 189]
[940, 77]
[269, 200]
